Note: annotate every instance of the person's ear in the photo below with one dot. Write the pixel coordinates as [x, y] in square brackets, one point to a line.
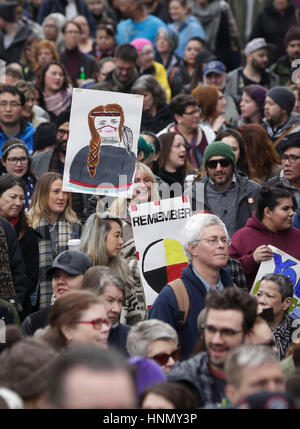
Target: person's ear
[178, 118]
[2, 161]
[267, 212]
[287, 302]
[231, 393]
[140, 156]
[67, 332]
[193, 249]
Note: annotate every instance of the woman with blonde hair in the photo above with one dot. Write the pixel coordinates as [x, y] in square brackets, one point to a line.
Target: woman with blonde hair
[212, 103]
[101, 240]
[52, 216]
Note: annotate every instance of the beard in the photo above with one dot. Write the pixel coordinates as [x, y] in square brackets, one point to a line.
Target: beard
[260, 67]
[62, 146]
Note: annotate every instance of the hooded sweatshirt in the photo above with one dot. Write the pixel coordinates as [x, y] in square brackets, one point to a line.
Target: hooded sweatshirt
[254, 234]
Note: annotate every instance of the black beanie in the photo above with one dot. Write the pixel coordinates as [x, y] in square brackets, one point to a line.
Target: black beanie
[45, 135]
[8, 11]
[282, 96]
[63, 117]
[292, 34]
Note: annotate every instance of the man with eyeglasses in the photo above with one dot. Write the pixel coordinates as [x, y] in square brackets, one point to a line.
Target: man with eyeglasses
[230, 315]
[125, 74]
[227, 194]
[289, 177]
[12, 124]
[206, 241]
[280, 122]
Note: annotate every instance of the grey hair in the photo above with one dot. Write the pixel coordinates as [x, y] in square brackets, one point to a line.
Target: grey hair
[150, 84]
[286, 287]
[59, 19]
[97, 278]
[193, 229]
[250, 356]
[143, 333]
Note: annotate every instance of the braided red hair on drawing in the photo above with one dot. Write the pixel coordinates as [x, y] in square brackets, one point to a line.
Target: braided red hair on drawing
[95, 142]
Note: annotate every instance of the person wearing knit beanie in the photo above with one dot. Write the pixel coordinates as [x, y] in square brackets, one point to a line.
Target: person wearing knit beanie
[219, 149]
[44, 137]
[282, 96]
[223, 191]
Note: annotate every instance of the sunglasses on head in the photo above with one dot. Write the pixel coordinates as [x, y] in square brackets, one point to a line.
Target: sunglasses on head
[214, 163]
[162, 358]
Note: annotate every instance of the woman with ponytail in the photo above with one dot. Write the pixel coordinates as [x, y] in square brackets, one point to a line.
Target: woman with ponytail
[271, 224]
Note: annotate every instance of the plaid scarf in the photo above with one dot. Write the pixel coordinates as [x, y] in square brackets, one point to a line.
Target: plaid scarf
[48, 254]
[7, 289]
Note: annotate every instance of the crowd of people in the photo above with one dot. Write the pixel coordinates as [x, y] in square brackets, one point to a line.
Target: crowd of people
[221, 92]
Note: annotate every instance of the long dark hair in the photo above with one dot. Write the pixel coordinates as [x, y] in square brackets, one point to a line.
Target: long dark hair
[8, 181]
[166, 141]
[242, 163]
[269, 196]
[14, 143]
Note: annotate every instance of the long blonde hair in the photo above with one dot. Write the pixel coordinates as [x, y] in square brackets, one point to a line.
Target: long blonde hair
[120, 205]
[39, 205]
[93, 243]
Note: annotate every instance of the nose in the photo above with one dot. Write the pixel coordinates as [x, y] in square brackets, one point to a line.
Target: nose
[219, 166]
[217, 338]
[121, 241]
[115, 308]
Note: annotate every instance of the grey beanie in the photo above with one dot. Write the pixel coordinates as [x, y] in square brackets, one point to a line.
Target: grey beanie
[282, 96]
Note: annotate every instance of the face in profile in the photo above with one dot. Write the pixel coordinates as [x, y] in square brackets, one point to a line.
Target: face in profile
[107, 126]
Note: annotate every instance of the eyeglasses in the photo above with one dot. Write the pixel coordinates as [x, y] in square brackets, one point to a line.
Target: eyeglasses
[192, 112]
[214, 163]
[291, 158]
[162, 358]
[97, 323]
[13, 160]
[225, 333]
[10, 104]
[215, 240]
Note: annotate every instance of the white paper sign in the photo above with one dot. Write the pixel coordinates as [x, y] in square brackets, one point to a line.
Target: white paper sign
[156, 229]
[102, 145]
[281, 263]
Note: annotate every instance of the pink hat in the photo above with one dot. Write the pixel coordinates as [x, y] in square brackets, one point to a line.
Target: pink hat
[140, 43]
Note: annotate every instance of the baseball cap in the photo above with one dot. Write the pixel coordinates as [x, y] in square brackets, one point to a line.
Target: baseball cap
[256, 44]
[214, 67]
[73, 262]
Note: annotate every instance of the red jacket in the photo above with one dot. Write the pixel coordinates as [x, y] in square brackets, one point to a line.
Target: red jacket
[254, 234]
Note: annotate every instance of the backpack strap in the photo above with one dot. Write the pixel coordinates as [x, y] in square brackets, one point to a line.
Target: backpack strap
[183, 300]
[174, 70]
[277, 141]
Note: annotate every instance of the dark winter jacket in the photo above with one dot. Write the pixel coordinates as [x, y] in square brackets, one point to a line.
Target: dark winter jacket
[272, 25]
[245, 202]
[156, 123]
[14, 51]
[165, 306]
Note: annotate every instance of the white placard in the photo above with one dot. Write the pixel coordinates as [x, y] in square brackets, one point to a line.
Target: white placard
[156, 229]
[281, 263]
[103, 140]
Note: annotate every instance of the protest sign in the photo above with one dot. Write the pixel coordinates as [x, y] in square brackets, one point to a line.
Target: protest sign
[102, 145]
[281, 263]
[156, 229]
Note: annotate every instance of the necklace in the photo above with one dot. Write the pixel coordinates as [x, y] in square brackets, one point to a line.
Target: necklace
[52, 226]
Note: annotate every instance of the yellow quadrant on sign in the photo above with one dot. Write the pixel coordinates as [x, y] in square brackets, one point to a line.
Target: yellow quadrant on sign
[174, 252]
